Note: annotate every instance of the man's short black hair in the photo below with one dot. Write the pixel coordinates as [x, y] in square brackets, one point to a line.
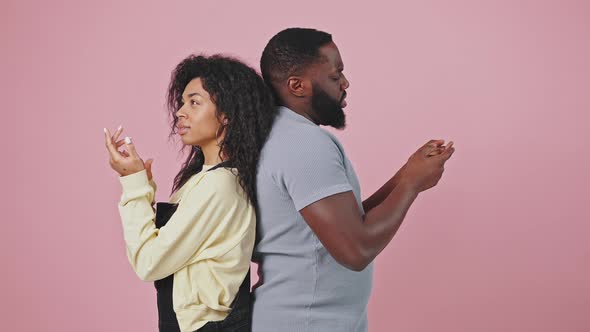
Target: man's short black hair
[290, 52]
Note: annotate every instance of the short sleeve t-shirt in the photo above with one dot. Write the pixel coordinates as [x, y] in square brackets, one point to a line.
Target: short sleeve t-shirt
[303, 288]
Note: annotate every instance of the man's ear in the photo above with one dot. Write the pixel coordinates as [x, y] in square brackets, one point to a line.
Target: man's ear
[299, 86]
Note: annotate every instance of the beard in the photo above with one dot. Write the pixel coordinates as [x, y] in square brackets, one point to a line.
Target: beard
[328, 111]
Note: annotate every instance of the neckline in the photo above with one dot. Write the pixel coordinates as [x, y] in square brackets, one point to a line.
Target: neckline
[289, 112]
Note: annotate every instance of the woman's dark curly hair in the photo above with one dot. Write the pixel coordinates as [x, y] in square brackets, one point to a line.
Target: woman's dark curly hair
[241, 95]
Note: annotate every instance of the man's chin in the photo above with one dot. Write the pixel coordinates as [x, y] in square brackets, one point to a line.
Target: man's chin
[338, 122]
[339, 126]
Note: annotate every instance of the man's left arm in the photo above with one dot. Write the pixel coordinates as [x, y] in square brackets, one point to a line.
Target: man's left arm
[379, 196]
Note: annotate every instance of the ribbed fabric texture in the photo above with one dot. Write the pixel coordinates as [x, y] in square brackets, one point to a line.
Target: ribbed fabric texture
[303, 288]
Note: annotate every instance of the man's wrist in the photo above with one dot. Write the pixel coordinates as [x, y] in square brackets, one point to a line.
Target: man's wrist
[407, 187]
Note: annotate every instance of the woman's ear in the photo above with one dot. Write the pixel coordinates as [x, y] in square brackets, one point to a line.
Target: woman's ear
[223, 120]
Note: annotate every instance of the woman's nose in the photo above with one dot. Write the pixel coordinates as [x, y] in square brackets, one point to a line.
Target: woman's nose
[179, 113]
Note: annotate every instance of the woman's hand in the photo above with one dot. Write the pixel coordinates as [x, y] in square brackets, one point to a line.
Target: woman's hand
[125, 162]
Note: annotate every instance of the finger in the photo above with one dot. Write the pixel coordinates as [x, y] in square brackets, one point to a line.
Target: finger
[441, 149]
[448, 149]
[120, 143]
[117, 134]
[447, 154]
[125, 153]
[429, 150]
[148, 168]
[436, 151]
[434, 143]
[131, 147]
[114, 154]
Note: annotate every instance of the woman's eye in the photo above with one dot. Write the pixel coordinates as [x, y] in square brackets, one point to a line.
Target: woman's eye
[194, 102]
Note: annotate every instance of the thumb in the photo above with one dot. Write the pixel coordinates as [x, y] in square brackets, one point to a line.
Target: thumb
[446, 155]
[148, 163]
[148, 167]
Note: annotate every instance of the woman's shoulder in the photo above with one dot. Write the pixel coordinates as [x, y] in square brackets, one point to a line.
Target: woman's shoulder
[221, 175]
[206, 183]
[219, 181]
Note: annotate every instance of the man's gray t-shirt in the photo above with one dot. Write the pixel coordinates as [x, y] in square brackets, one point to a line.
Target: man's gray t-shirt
[303, 288]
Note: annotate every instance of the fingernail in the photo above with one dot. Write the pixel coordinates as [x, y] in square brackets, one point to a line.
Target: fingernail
[105, 130]
[127, 140]
[119, 127]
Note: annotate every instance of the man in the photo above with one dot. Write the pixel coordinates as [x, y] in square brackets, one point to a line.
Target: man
[316, 238]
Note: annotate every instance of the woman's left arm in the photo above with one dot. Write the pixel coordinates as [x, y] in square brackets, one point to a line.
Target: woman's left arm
[207, 222]
[210, 220]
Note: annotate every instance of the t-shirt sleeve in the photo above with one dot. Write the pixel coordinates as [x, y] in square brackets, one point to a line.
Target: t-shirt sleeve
[312, 169]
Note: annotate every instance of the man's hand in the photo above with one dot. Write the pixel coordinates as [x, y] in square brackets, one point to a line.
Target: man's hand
[426, 166]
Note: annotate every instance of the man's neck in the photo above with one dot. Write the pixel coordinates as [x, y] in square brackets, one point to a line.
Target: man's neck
[303, 110]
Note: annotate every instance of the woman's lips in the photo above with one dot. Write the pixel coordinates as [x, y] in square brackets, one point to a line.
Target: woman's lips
[183, 130]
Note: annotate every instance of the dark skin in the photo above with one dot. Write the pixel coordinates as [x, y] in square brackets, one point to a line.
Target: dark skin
[352, 239]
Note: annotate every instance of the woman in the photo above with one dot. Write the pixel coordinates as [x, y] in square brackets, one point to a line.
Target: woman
[200, 257]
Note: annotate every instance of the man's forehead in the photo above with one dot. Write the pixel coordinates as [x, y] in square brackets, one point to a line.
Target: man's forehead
[332, 56]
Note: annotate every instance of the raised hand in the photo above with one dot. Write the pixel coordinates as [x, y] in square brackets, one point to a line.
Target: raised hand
[124, 162]
[426, 166]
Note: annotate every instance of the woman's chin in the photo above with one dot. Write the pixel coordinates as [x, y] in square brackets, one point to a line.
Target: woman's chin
[190, 141]
[186, 140]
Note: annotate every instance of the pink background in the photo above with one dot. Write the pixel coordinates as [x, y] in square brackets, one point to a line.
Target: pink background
[500, 245]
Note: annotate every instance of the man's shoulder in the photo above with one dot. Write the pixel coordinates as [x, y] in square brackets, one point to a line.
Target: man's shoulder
[291, 134]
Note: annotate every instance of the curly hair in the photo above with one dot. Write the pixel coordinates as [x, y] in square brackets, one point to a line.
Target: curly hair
[241, 95]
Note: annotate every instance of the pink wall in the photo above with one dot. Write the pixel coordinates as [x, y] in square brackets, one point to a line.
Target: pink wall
[500, 245]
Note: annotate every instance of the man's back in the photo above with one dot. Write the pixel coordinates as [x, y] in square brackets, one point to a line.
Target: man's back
[303, 288]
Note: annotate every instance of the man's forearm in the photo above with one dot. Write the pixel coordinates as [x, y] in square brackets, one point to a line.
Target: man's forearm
[380, 195]
[383, 221]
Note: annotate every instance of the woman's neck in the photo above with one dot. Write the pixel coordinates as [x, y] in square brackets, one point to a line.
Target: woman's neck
[211, 153]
